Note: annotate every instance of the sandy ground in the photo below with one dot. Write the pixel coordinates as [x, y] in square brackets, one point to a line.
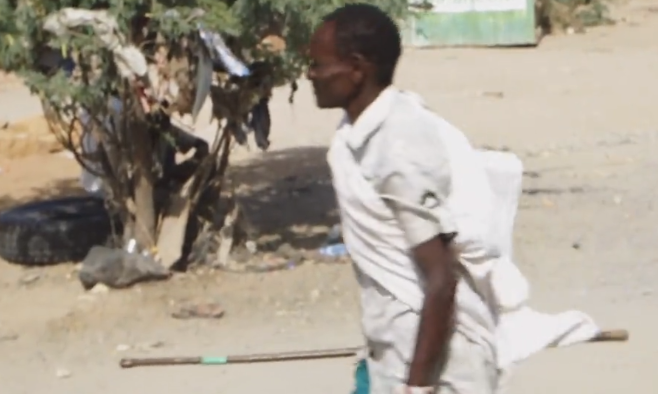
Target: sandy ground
[579, 110]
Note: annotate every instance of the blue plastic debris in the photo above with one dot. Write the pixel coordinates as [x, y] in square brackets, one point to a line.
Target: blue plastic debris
[335, 235]
[361, 378]
[219, 52]
[335, 250]
[222, 54]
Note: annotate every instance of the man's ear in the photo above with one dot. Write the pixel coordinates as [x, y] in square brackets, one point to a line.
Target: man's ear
[359, 68]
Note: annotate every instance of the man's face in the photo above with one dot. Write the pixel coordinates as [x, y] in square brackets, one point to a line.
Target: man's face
[335, 80]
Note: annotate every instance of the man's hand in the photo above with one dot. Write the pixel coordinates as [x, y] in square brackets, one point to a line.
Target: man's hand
[437, 262]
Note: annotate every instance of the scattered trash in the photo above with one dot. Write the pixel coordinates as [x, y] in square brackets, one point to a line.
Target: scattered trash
[501, 148]
[63, 374]
[68, 155]
[221, 54]
[334, 236]
[335, 250]
[556, 191]
[270, 262]
[118, 268]
[99, 288]
[140, 347]
[150, 345]
[29, 279]
[8, 337]
[492, 94]
[251, 247]
[131, 246]
[333, 245]
[273, 265]
[210, 310]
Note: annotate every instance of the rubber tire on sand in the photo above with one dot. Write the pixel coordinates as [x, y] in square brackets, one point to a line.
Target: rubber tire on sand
[53, 231]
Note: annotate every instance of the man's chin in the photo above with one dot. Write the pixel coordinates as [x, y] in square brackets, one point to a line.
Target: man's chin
[323, 104]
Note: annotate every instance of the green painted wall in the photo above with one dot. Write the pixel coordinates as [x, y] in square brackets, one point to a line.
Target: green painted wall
[461, 26]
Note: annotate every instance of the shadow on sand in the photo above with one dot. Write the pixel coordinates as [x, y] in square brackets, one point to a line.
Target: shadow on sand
[55, 189]
[287, 196]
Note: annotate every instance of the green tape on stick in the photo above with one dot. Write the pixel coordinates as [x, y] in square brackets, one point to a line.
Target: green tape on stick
[214, 360]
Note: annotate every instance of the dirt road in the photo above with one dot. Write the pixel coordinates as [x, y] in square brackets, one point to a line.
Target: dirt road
[579, 110]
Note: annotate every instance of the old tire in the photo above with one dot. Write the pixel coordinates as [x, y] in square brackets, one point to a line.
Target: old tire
[53, 231]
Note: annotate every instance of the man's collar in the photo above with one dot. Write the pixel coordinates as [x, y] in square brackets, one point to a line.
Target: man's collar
[371, 118]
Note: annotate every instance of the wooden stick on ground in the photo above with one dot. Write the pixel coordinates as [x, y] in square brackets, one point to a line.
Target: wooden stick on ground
[611, 336]
[603, 336]
[244, 359]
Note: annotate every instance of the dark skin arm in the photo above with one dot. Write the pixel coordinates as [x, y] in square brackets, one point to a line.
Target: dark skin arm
[436, 261]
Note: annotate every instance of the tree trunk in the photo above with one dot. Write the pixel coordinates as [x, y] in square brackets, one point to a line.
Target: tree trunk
[145, 213]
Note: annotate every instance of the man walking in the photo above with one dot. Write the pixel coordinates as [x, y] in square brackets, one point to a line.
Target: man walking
[414, 206]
